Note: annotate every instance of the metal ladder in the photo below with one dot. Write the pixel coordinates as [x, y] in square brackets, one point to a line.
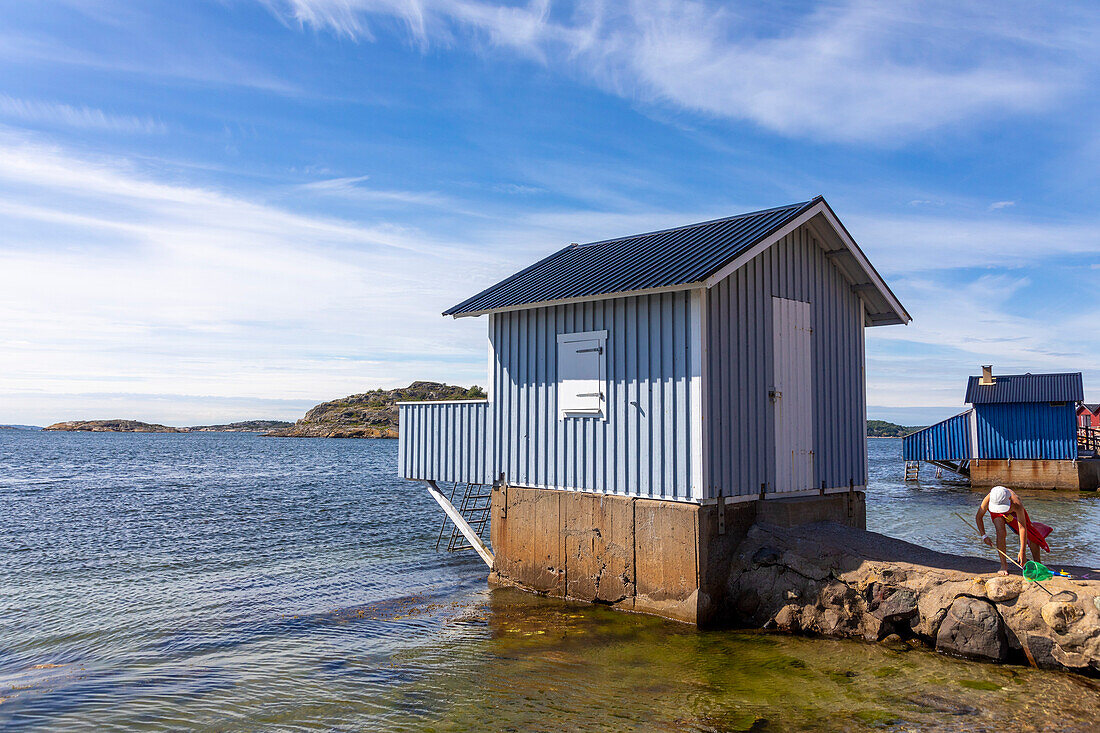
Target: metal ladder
[474, 505]
[912, 470]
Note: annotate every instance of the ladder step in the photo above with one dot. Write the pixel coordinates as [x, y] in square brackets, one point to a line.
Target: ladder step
[475, 507]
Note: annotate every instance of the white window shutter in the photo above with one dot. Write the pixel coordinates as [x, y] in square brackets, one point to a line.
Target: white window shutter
[581, 359]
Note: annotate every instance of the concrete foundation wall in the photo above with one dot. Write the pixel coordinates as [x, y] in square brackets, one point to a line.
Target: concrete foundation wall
[650, 556]
[1083, 475]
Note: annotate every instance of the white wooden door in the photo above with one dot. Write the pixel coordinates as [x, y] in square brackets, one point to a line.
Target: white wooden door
[792, 395]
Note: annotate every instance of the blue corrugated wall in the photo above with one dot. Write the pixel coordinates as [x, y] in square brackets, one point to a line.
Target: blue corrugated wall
[1031, 430]
[444, 441]
[643, 447]
[945, 441]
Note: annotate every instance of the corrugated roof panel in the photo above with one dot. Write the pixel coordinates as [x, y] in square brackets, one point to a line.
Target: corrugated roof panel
[654, 260]
[1068, 387]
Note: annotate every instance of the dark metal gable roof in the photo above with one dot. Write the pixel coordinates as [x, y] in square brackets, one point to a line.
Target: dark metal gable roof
[665, 258]
[1067, 387]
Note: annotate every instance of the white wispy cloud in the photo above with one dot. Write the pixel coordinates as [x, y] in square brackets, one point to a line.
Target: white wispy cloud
[54, 113]
[350, 187]
[850, 71]
[923, 243]
[117, 280]
[1001, 205]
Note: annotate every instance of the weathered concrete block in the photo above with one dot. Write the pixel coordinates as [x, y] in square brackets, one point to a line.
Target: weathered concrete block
[666, 543]
[599, 547]
[845, 508]
[1036, 474]
[973, 628]
[528, 544]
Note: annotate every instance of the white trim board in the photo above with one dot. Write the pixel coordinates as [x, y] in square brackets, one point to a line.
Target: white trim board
[699, 445]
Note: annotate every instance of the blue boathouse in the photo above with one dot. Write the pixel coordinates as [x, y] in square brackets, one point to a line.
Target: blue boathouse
[1021, 431]
[650, 396]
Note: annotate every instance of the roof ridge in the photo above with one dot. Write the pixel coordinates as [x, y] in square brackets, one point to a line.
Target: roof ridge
[797, 205]
[1030, 374]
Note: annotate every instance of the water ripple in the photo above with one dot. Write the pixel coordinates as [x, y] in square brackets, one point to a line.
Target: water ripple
[226, 581]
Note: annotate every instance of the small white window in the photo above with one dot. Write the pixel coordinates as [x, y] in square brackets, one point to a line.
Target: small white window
[582, 359]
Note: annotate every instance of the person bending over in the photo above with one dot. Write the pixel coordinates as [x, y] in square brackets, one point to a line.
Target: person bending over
[1006, 510]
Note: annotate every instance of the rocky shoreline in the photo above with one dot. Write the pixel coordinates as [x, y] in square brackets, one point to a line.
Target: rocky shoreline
[830, 580]
[136, 426]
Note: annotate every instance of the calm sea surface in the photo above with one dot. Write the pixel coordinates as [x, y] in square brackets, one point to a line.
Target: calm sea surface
[228, 581]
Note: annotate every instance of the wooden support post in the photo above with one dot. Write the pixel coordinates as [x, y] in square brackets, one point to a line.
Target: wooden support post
[721, 514]
[460, 522]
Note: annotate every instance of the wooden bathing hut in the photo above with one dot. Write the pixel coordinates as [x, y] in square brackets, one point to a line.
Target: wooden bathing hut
[1021, 431]
[1088, 415]
[650, 397]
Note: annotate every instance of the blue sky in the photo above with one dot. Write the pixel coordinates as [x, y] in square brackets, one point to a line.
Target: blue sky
[230, 210]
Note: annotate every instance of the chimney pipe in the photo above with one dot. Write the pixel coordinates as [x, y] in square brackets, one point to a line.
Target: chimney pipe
[987, 374]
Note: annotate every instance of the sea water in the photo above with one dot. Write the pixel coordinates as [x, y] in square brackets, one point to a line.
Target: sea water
[223, 581]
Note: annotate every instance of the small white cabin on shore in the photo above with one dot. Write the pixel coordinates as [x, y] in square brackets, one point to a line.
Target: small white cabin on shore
[720, 360]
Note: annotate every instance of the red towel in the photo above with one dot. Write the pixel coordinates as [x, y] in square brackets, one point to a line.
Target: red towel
[1036, 531]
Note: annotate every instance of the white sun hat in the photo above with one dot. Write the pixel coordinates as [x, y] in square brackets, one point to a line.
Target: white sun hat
[1000, 499]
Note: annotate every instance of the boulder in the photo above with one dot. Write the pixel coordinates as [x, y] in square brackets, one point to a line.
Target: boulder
[973, 628]
[1001, 589]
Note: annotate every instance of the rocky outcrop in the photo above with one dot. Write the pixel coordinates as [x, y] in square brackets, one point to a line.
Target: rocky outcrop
[246, 426]
[370, 415]
[837, 581]
[112, 426]
[135, 426]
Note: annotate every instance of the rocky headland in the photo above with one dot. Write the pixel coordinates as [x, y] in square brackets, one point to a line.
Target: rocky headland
[245, 426]
[830, 580]
[111, 426]
[371, 414]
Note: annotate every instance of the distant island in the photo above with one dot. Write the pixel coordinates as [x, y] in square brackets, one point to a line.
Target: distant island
[371, 414]
[367, 415]
[136, 426]
[884, 429]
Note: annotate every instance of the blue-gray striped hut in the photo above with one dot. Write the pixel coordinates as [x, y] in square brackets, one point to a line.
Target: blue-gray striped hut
[653, 395]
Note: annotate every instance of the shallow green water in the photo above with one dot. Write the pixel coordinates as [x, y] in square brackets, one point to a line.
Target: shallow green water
[228, 582]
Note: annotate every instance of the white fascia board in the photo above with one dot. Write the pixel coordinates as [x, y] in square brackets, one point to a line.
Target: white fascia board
[739, 262]
[581, 299]
[841, 233]
[864, 263]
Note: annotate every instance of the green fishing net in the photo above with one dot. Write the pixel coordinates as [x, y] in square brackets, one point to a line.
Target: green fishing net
[1036, 571]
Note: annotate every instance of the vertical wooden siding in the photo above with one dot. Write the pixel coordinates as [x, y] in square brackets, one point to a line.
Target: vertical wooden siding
[643, 447]
[444, 441]
[739, 413]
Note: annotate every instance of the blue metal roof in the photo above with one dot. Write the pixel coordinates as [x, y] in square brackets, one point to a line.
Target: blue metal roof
[1067, 387]
[659, 259]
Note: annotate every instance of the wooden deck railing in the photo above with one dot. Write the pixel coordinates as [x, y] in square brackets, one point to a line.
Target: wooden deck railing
[1088, 439]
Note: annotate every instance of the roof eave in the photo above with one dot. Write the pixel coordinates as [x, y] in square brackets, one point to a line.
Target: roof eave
[578, 299]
